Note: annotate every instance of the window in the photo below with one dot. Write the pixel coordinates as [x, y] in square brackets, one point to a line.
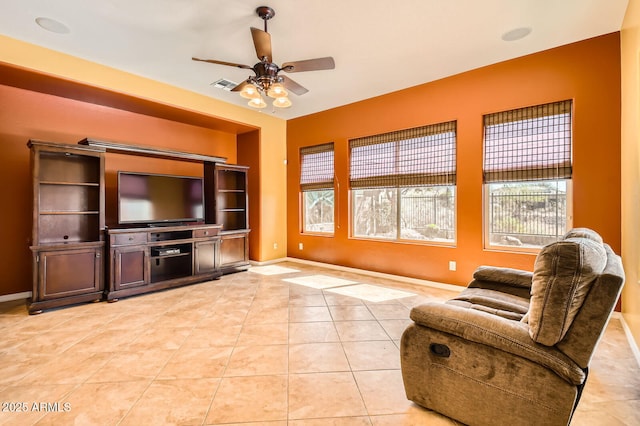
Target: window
[527, 175]
[316, 184]
[403, 184]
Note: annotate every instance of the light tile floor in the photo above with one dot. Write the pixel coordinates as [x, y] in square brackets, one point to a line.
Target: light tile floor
[279, 345]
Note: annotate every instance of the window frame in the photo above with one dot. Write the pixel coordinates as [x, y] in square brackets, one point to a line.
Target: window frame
[514, 248]
[400, 171]
[561, 169]
[398, 214]
[303, 214]
[319, 176]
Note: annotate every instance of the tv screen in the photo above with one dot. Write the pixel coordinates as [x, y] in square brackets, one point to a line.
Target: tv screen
[152, 198]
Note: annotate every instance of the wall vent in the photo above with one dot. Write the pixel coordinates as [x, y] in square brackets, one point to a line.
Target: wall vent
[224, 84]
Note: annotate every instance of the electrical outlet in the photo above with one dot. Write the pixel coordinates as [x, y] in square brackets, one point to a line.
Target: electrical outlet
[275, 246]
[300, 246]
[452, 265]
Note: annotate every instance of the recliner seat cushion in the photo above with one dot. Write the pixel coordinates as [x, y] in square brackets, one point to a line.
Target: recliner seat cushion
[563, 274]
[494, 302]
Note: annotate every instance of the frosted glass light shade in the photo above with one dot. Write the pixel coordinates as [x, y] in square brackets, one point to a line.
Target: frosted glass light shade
[257, 102]
[277, 90]
[250, 92]
[282, 102]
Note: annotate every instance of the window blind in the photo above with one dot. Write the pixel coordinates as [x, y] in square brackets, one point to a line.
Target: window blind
[532, 143]
[419, 156]
[316, 167]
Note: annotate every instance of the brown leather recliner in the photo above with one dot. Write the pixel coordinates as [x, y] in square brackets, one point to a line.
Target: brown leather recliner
[514, 347]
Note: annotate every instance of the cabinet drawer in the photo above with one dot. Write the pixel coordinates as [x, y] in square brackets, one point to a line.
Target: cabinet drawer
[130, 238]
[205, 232]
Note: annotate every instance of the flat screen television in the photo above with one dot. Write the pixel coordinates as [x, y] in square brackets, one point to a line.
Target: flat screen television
[145, 198]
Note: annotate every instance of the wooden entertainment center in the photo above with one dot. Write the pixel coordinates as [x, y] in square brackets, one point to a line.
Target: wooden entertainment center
[149, 259]
[70, 240]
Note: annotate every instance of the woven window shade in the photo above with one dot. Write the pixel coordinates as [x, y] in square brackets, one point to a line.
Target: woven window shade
[532, 143]
[419, 156]
[316, 167]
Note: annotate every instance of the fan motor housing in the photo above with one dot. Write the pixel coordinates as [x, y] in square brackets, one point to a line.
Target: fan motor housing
[266, 73]
[266, 69]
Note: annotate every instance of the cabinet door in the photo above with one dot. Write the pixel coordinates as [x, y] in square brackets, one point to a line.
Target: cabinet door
[234, 249]
[68, 273]
[207, 258]
[130, 267]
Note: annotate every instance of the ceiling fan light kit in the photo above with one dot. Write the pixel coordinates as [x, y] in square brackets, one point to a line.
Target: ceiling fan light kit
[249, 91]
[257, 102]
[282, 102]
[266, 79]
[277, 90]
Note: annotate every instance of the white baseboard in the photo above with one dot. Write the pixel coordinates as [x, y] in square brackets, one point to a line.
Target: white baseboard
[15, 296]
[408, 280]
[267, 262]
[627, 332]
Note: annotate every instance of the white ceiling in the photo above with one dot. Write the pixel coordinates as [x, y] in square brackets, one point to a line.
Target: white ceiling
[378, 46]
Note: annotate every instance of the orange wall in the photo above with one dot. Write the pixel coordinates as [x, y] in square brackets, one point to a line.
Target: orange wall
[587, 72]
[28, 115]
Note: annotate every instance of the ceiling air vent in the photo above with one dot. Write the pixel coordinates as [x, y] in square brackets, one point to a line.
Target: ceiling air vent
[224, 84]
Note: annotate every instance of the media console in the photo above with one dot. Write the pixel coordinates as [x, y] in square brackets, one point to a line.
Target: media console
[142, 260]
[71, 261]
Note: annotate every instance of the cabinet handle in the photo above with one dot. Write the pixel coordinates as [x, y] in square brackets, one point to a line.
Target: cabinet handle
[130, 238]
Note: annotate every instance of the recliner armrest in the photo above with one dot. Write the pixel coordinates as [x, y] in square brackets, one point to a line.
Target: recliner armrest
[509, 276]
[497, 332]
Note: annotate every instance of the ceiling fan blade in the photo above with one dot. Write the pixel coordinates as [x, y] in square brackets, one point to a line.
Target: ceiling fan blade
[240, 86]
[262, 42]
[231, 64]
[310, 65]
[293, 86]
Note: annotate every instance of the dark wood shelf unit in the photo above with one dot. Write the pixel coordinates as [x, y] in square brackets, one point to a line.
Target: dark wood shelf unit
[227, 203]
[227, 200]
[142, 260]
[67, 242]
[68, 237]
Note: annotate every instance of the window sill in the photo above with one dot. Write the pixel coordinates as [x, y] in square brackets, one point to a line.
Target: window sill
[514, 250]
[318, 234]
[447, 244]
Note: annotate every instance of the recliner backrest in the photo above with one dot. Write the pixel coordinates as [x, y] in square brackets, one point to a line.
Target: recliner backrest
[588, 326]
[563, 275]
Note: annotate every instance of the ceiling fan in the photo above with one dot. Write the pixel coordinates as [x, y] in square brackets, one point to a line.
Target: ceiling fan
[266, 79]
